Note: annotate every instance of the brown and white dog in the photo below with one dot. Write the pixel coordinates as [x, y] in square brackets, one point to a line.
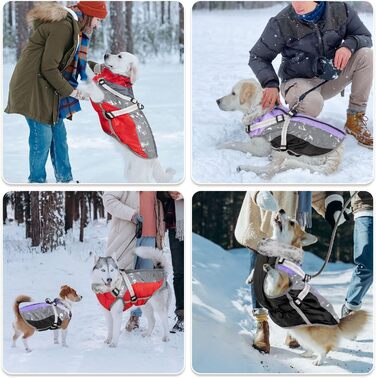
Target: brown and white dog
[246, 97]
[316, 340]
[67, 296]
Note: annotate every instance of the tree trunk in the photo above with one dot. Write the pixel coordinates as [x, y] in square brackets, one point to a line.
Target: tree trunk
[128, 26]
[162, 13]
[5, 207]
[18, 207]
[52, 221]
[83, 211]
[35, 219]
[22, 7]
[118, 42]
[27, 214]
[181, 33]
[69, 210]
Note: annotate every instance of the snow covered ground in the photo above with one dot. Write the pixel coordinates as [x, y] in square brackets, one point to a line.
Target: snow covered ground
[223, 326]
[93, 154]
[221, 41]
[40, 276]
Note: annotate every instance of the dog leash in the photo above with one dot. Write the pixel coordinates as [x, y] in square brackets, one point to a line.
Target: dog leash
[137, 235]
[310, 276]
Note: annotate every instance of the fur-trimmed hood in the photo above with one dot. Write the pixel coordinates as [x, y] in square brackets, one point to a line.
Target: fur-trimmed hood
[46, 12]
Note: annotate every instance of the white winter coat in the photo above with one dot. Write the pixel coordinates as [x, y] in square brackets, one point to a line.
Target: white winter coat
[122, 206]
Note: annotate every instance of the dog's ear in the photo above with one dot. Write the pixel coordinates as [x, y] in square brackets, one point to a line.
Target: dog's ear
[133, 72]
[308, 239]
[246, 92]
[114, 260]
[96, 258]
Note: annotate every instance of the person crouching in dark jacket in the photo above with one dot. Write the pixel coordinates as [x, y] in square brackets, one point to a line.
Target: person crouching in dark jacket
[320, 42]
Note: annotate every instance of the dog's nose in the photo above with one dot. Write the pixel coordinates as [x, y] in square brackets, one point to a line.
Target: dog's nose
[106, 56]
[218, 101]
[109, 280]
[281, 211]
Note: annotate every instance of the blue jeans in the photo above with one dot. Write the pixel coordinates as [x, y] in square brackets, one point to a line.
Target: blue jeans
[253, 255]
[43, 140]
[362, 277]
[144, 241]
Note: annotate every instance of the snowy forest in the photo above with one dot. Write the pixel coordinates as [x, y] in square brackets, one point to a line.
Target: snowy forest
[48, 216]
[215, 214]
[360, 6]
[148, 29]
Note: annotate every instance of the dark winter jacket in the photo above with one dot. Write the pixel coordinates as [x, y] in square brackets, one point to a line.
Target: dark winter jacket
[37, 83]
[301, 43]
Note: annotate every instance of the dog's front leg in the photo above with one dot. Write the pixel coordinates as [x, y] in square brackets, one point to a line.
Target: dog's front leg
[64, 333]
[108, 316]
[116, 314]
[256, 147]
[56, 336]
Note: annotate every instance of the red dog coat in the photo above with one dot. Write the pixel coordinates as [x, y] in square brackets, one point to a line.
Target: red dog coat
[121, 116]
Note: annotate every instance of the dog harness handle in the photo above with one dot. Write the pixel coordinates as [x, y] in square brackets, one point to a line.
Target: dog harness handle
[129, 286]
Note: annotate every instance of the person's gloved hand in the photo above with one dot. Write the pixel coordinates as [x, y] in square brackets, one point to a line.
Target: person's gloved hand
[137, 218]
[333, 208]
[266, 201]
[80, 94]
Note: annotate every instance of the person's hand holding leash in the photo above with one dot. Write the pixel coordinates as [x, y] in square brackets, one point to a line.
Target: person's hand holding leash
[341, 58]
[270, 96]
[266, 201]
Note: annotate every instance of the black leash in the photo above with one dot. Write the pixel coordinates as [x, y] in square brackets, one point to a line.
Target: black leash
[331, 239]
[137, 235]
[303, 95]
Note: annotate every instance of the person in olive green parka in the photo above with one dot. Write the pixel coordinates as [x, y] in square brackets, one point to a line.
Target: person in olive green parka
[43, 84]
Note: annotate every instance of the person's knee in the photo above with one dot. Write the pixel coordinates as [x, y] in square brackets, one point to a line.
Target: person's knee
[312, 104]
[365, 55]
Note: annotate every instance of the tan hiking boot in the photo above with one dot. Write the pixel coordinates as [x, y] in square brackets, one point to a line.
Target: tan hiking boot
[261, 338]
[291, 342]
[132, 323]
[356, 125]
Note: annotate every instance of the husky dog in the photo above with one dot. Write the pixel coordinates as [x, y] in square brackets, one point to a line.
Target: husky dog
[317, 340]
[67, 297]
[106, 274]
[246, 97]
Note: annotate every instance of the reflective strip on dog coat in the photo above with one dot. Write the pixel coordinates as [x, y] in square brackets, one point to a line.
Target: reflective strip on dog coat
[305, 135]
[44, 316]
[132, 129]
[300, 305]
[145, 283]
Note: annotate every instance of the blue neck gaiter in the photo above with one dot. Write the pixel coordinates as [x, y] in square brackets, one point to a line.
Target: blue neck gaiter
[315, 15]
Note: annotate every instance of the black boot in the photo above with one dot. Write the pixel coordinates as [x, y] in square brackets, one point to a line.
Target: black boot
[179, 325]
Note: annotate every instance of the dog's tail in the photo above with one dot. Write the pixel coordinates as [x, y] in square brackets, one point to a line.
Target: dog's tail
[20, 299]
[353, 323]
[160, 175]
[159, 258]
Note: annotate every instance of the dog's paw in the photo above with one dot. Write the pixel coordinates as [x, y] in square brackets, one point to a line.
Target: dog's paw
[170, 172]
[64, 345]
[13, 345]
[28, 350]
[56, 341]
[146, 334]
[306, 354]
[112, 345]
[165, 339]
[107, 341]
[239, 169]
[317, 362]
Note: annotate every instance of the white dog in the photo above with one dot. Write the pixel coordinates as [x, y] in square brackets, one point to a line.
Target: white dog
[137, 169]
[246, 97]
[106, 277]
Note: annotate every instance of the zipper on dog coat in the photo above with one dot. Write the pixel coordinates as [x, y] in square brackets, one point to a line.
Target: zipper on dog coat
[300, 305]
[135, 289]
[121, 115]
[45, 315]
[296, 133]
